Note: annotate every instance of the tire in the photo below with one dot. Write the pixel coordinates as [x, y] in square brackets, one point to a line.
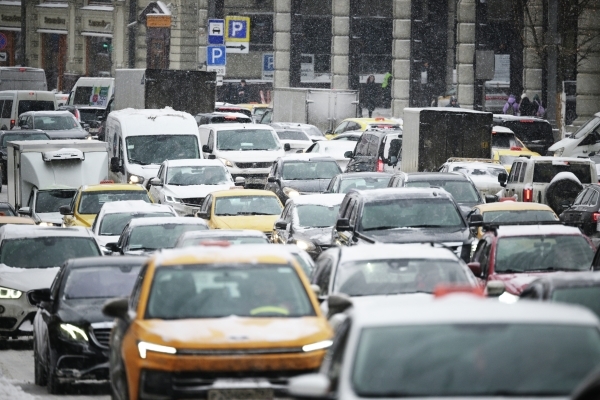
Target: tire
[561, 191]
[40, 377]
[53, 384]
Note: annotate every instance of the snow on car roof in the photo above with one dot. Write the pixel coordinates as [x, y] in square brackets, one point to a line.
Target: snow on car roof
[238, 126]
[513, 205]
[86, 262]
[31, 231]
[467, 309]
[401, 193]
[508, 117]
[209, 233]
[325, 199]
[476, 164]
[380, 251]
[440, 176]
[306, 157]
[501, 129]
[152, 221]
[194, 162]
[115, 207]
[367, 174]
[537, 230]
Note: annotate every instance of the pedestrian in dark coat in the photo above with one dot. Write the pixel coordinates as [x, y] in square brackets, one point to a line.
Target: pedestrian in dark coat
[526, 107]
[370, 95]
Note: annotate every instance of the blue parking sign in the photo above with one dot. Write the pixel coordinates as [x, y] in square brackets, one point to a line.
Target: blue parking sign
[268, 62]
[216, 55]
[237, 29]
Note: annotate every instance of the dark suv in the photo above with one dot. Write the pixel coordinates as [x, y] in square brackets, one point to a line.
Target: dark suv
[535, 133]
[584, 213]
[403, 216]
[376, 150]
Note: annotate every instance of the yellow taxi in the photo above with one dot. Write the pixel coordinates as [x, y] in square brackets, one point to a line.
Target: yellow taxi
[507, 156]
[89, 199]
[257, 109]
[201, 319]
[362, 124]
[241, 209]
[513, 213]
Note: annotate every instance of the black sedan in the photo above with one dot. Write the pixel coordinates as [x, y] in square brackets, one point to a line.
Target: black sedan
[584, 213]
[70, 333]
[343, 183]
[297, 174]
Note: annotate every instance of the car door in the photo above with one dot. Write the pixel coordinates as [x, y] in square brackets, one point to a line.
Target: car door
[44, 316]
[589, 206]
[481, 255]
[156, 192]
[390, 151]
[512, 184]
[274, 186]
[360, 154]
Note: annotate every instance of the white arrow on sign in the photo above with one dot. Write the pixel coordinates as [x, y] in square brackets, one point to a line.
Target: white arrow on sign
[237, 47]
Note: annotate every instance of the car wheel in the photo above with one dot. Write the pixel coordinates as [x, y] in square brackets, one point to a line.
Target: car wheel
[54, 385]
[40, 378]
[119, 390]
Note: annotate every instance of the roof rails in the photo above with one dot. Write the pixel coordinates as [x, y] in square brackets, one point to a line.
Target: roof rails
[493, 227]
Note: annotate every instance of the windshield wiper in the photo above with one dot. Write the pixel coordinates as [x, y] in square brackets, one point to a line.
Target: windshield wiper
[510, 271]
[253, 213]
[383, 228]
[134, 161]
[553, 269]
[142, 248]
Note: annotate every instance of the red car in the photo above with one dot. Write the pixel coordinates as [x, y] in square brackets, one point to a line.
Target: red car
[517, 255]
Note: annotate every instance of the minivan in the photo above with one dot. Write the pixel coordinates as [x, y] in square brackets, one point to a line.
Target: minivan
[583, 143]
[92, 92]
[22, 78]
[140, 140]
[15, 102]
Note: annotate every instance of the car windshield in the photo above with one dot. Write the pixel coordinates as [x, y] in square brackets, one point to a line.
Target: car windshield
[588, 126]
[192, 175]
[474, 360]
[507, 160]
[154, 149]
[378, 277]
[90, 115]
[313, 131]
[462, 191]
[55, 122]
[410, 213]
[363, 183]
[244, 290]
[508, 216]
[197, 241]
[480, 170]
[307, 170]
[292, 135]
[100, 282]
[247, 139]
[45, 252]
[543, 253]
[504, 140]
[6, 211]
[588, 296]
[247, 205]
[543, 172]
[49, 201]
[317, 216]
[163, 236]
[91, 202]
[113, 224]
[27, 136]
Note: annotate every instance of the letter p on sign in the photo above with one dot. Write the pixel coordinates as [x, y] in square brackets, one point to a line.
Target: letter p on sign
[237, 29]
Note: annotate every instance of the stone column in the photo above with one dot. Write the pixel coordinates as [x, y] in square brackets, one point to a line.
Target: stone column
[202, 33]
[33, 38]
[340, 44]
[185, 24]
[588, 70]
[451, 53]
[281, 43]
[401, 57]
[532, 65]
[119, 41]
[465, 38]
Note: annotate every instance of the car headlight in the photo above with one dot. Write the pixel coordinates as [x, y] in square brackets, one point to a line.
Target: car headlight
[226, 162]
[89, 137]
[145, 347]
[6, 293]
[171, 199]
[559, 152]
[317, 346]
[73, 332]
[291, 193]
[305, 245]
[132, 178]
[508, 298]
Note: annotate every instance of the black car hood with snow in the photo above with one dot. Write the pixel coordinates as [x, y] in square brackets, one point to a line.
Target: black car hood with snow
[84, 311]
[307, 186]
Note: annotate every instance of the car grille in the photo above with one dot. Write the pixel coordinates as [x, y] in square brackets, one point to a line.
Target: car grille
[254, 165]
[102, 336]
[193, 201]
[7, 323]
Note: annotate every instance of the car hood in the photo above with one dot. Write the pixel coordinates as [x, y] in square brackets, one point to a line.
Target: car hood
[235, 332]
[421, 235]
[146, 171]
[252, 155]
[25, 279]
[515, 283]
[53, 217]
[307, 186]
[263, 223]
[566, 143]
[67, 134]
[320, 236]
[86, 219]
[82, 310]
[104, 239]
[184, 192]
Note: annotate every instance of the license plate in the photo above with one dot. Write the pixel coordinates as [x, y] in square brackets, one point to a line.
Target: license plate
[240, 394]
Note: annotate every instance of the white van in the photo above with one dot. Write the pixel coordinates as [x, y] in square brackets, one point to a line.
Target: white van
[140, 140]
[583, 143]
[92, 92]
[247, 150]
[22, 78]
[15, 102]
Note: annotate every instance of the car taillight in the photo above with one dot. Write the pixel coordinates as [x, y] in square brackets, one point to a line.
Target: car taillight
[379, 165]
[517, 148]
[595, 217]
[12, 123]
[528, 195]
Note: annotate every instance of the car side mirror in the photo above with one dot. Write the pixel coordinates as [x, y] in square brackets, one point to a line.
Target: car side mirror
[202, 214]
[65, 210]
[309, 386]
[495, 288]
[116, 308]
[116, 164]
[24, 126]
[338, 303]
[502, 178]
[489, 198]
[85, 126]
[475, 267]
[281, 224]
[329, 132]
[343, 224]
[287, 147]
[37, 296]
[114, 247]
[271, 179]
[349, 154]
[393, 161]
[316, 290]
[475, 220]
[155, 182]
[206, 149]
[240, 181]
[24, 211]
[565, 205]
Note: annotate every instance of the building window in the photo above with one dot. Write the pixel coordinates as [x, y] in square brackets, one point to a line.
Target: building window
[99, 61]
[261, 30]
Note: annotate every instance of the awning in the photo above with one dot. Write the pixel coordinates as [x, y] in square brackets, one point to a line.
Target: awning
[10, 28]
[97, 34]
[57, 31]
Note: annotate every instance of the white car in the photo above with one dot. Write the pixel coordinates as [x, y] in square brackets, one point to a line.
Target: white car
[183, 184]
[113, 217]
[353, 136]
[483, 174]
[334, 149]
[312, 131]
[297, 140]
[457, 346]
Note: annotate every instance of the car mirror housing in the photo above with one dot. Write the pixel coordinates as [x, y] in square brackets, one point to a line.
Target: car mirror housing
[240, 181]
[349, 154]
[65, 210]
[475, 220]
[36, 297]
[281, 224]
[338, 303]
[495, 288]
[502, 178]
[116, 164]
[202, 214]
[24, 211]
[271, 179]
[343, 224]
[287, 147]
[206, 149]
[116, 308]
[310, 386]
[156, 182]
[114, 247]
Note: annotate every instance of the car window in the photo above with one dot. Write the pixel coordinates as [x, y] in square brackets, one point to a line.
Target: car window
[522, 174]
[341, 128]
[7, 109]
[323, 275]
[46, 252]
[586, 196]
[247, 205]
[100, 282]
[302, 170]
[137, 289]
[580, 196]
[544, 172]
[517, 170]
[352, 126]
[593, 199]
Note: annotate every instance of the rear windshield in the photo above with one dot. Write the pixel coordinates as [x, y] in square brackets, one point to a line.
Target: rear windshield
[49, 201]
[113, 224]
[197, 241]
[229, 120]
[292, 135]
[82, 95]
[504, 140]
[544, 172]
[100, 282]
[46, 252]
[35, 105]
[462, 191]
[588, 297]
[530, 129]
[154, 237]
[12, 137]
[91, 202]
